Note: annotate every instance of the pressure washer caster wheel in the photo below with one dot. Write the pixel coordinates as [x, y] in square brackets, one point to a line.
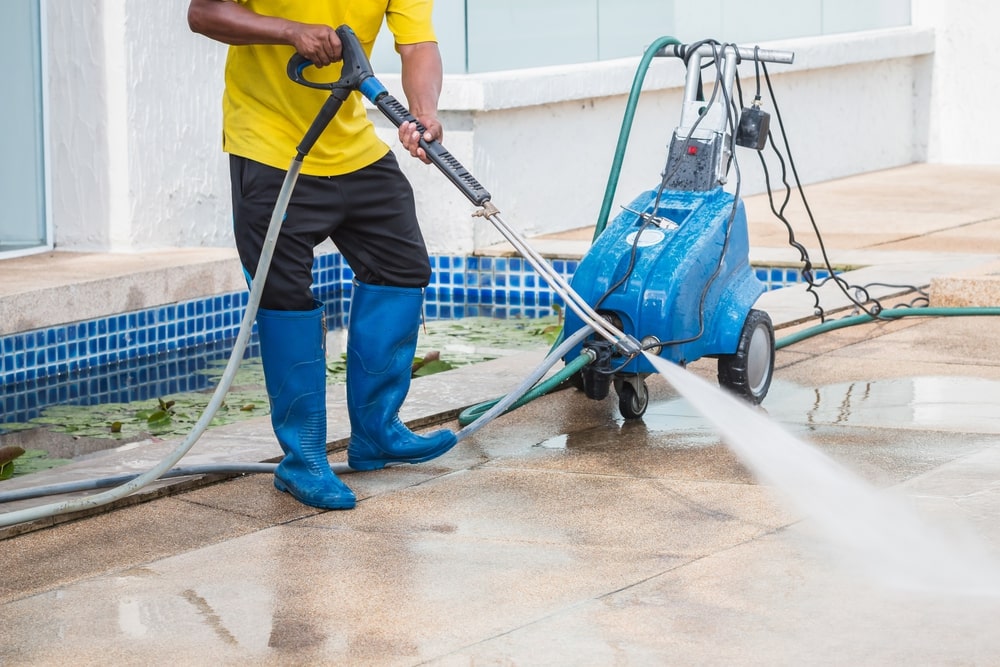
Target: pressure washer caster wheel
[748, 372]
[633, 396]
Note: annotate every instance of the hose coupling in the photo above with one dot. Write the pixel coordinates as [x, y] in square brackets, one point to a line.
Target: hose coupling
[487, 210]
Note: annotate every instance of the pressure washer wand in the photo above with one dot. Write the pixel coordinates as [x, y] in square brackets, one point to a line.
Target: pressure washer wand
[478, 195]
[357, 74]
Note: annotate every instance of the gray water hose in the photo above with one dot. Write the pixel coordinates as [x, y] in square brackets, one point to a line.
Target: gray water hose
[510, 399]
[232, 366]
[523, 393]
[105, 482]
[355, 67]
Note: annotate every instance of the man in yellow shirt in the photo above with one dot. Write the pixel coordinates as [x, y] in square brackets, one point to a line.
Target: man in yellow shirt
[351, 191]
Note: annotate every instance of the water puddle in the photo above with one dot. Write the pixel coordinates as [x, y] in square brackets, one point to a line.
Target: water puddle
[927, 403]
[873, 530]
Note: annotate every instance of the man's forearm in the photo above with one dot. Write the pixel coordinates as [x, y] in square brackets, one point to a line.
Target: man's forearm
[232, 23]
[422, 77]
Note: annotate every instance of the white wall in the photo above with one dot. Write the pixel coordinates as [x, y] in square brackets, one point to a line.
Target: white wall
[78, 125]
[135, 134]
[964, 95]
[542, 140]
[135, 128]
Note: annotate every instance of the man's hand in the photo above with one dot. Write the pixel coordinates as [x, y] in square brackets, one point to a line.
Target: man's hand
[410, 136]
[319, 43]
[232, 23]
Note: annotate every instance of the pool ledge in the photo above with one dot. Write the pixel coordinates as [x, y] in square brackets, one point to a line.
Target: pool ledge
[54, 288]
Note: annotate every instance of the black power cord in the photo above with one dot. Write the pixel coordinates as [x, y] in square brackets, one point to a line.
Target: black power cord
[856, 294]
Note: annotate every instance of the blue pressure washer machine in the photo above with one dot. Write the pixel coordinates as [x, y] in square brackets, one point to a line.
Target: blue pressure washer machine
[672, 270]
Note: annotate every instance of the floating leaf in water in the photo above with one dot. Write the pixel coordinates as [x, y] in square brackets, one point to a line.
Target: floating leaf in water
[10, 427]
[34, 460]
[158, 418]
[336, 370]
[430, 368]
[8, 455]
[431, 360]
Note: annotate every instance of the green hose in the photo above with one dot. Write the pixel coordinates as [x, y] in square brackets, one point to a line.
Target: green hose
[626, 130]
[470, 415]
[892, 314]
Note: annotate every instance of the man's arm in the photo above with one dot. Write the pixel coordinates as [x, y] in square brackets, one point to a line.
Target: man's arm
[422, 77]
[232, 23]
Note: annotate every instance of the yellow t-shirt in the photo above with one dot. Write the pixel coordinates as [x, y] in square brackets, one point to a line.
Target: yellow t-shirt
[266, 114]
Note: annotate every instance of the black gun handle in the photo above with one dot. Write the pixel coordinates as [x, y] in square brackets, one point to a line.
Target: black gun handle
[295, 68]
[323, 118]
[436, 152]
[354, 69]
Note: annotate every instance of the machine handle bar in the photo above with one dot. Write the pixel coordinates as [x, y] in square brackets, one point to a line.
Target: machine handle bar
[684, 51]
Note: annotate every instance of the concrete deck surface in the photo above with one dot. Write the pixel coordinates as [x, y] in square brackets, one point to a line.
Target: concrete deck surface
[562, 535]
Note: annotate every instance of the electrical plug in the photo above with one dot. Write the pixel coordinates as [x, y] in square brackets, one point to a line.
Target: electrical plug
[753, 128]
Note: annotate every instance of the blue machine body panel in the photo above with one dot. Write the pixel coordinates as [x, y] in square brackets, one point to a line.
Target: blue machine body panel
[664, 294]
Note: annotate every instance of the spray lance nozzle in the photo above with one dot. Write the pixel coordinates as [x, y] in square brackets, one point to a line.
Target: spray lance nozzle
[628, 346]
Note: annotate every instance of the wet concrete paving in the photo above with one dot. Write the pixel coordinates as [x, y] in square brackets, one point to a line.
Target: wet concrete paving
[558, 534]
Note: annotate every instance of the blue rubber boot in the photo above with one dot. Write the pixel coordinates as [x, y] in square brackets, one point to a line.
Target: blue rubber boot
[292, 351]
[381, 342]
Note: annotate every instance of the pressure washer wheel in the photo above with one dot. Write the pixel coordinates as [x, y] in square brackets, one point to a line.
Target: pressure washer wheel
[747, 373]
[633, 396]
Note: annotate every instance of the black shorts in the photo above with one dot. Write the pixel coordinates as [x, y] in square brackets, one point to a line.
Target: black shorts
[369, 214]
